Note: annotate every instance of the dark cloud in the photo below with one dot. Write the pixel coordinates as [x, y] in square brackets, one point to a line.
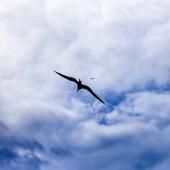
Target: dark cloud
[61, 152]
[18, 152]
[7, 155]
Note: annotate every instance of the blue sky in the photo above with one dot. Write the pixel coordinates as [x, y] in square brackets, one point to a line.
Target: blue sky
[45, 124]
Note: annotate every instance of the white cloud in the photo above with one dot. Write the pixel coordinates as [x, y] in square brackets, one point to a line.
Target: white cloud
[123, 44]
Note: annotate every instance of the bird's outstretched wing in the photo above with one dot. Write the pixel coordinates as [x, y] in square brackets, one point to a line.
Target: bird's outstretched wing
[91, 91]
[66, 77]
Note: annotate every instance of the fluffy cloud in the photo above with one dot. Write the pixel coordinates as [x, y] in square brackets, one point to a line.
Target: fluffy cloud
[45, 124]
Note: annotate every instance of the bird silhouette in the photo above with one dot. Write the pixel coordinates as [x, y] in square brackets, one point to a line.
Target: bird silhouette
[80, 85]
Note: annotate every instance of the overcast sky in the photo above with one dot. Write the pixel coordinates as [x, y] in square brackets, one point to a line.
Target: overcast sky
[45, 124]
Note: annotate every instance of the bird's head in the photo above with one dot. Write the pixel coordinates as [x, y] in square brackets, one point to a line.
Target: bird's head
[80, 81]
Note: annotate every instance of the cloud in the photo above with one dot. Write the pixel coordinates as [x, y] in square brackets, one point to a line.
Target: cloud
[45, 124]
[18, 152]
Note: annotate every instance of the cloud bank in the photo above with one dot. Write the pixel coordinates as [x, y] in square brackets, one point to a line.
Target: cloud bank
[45, 124]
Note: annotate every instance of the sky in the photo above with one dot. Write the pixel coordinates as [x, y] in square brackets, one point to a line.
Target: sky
[45, 124]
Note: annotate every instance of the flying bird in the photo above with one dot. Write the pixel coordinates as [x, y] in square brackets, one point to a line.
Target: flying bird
[80, 85]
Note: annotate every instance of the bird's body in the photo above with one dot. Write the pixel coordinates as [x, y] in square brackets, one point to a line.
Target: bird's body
[80, 85]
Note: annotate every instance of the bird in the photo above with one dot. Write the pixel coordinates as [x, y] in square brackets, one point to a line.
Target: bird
[80, 85]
